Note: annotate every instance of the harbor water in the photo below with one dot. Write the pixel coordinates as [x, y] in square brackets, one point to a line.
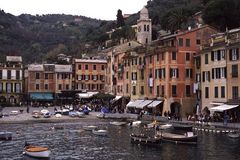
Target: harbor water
[71, 143]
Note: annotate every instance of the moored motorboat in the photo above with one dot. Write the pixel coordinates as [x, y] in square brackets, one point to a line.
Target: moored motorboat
[5, 135]
[188, 138]
[184, 127]
[100, 132]
[135, 123]
[233, 135]
[37, 151]
[145, 140]
[118, 123]
[89, 128]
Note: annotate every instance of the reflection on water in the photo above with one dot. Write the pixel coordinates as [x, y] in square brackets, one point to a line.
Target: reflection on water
[73, 142]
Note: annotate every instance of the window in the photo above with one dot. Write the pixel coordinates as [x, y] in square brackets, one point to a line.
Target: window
[37, 86]
[188, 42]
[157, 57]
[86, 67]
[8, 74]
[198, 41]
[126, 88]
[234, 71]
[188, 73]
[216, 92]
[17, 75]
[180, 42]
[234, 92]
[46, 76]
[173, 72]
[162, 91]
[174, 90]
[94, 67]
[0, 74]
[79, 66]
[142, 74]
[17, 87]
[134, 90]
[187, 56]
[1, 87]
[151, 90]
[174, 56]
[162, 56]
[140, 60]
[126, 75]
[206, 92]
[46, 86]
[150, 59]
[145, 27]
[134, 75]
[234, 54]
[222, 92]
[148, 28]
[37, 76]
[142, 90]
[206, 58]
[188, 90]
[59, 86]
[158, 91]
[86, 77]
[103, 67]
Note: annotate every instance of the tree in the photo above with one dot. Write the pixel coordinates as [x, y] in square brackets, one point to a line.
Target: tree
[222, 14]
[120, 19]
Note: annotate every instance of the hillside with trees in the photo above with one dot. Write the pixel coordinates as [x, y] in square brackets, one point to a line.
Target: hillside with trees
[46, 36]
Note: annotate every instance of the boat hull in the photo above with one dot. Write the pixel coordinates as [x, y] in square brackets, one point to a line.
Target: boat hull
[100, 132]
[145, 140]
[182, 127]
[179, 139]
[5, 135]
[42, 154]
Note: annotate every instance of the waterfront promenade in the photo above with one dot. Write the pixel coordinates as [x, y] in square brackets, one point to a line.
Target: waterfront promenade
[27, 118]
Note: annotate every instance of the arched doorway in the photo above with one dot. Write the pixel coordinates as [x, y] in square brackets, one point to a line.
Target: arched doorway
[175, 108]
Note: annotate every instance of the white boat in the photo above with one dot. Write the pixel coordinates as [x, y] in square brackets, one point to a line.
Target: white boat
[101, 115]
[233, 135]
[37, 151]
[135, 123]
[118, 123]
[58, 115]
[100, 132]
[89, 128]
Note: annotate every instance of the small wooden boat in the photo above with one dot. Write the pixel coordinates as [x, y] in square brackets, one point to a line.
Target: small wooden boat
[37, 151]
[118, 123]
[5, 135]
[89, 128]
[188, 138]
[184, 127]
[145, 140]
[233, 135]
[100, 132]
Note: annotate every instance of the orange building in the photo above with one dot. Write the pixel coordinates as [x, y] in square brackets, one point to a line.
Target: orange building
[90, 74]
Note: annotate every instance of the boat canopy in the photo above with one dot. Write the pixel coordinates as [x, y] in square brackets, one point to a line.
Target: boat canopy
[223, 107]
[154, 104]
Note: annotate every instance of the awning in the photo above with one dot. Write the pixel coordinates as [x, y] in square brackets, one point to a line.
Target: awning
[154, 104]
[134, 103]
[216, 103]
[223, 107]
[41, 96]
[143, 104]
[116, 99]
[86, 95]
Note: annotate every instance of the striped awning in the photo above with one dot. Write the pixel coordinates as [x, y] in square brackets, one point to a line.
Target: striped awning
[133, 104]
[154, 104]
[143, 104]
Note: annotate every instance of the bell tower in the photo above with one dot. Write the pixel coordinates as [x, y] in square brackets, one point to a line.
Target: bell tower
[144, 27]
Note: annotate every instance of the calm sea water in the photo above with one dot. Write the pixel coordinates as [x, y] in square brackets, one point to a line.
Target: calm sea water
[74, 143]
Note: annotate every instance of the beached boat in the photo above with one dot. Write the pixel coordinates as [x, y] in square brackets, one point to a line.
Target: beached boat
[36, 115]
[118, 123]
[89, 128]
[145, 140]
[101, 115]
[188, 138]
[5, 135]
[37, 151]
[58, 115]
[100, 132]
[233, 135]
[184, 127]
[135, 123]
